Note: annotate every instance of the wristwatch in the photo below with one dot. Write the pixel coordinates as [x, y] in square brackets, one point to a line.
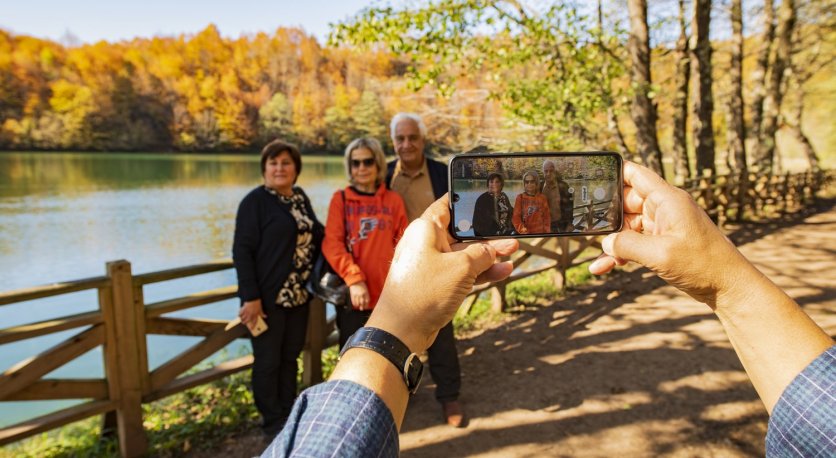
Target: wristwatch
[393, 349]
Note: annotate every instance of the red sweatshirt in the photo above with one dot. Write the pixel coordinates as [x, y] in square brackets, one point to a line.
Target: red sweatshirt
[531, 214]
[375, 223]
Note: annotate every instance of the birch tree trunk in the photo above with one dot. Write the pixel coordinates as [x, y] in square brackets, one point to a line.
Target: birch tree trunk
[703, 130]
[642, 109]
[681, 164]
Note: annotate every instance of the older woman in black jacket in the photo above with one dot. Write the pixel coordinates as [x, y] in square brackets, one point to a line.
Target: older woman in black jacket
[493, 210]
[277, 238]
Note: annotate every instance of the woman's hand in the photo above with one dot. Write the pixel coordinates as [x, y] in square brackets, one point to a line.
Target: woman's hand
[250, 312]
[359, 293]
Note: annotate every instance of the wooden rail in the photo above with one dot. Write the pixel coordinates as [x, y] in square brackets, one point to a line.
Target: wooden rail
[123, 319]
[121, 326]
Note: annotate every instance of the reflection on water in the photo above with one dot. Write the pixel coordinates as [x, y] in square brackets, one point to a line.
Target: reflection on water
[63, 216]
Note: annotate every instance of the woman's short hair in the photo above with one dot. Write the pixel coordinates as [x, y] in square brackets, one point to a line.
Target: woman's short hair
[536, 178]
[496, 175]
[277, 147]
[372, 145]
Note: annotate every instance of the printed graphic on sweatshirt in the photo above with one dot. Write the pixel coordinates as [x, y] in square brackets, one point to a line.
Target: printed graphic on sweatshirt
[367, 225]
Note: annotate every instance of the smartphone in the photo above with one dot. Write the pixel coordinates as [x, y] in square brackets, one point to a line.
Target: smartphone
[516, 195]
[259, 327]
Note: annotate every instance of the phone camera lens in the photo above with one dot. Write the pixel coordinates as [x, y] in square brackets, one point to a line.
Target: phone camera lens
[455, 197]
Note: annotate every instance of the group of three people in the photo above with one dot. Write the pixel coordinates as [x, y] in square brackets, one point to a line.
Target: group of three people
[278, 237]
[536, 210]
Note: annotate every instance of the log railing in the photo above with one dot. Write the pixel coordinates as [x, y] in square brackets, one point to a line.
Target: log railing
[123, 319]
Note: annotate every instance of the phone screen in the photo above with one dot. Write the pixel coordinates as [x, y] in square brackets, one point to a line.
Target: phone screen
[535, 194]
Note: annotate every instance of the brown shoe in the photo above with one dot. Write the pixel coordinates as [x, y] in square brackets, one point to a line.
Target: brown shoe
[453, 414]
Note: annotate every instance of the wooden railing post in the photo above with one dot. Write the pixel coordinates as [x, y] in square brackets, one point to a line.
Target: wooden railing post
[560, 270]
[498, 300]
[312, 356]
[122, 357]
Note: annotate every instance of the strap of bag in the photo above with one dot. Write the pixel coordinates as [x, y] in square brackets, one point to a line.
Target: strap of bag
[347, 240]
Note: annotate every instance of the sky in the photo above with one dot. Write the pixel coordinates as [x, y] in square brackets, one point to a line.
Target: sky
[92, 20]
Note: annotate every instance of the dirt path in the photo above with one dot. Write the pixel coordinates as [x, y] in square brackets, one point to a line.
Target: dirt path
[627, 366]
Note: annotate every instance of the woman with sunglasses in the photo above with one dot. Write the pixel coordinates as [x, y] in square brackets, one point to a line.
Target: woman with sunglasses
[531, 209]
[365, 222]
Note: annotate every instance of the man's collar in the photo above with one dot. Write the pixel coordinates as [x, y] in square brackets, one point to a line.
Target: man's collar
[400, 170]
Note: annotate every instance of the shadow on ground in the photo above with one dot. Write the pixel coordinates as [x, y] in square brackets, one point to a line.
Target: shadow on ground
[626, 366]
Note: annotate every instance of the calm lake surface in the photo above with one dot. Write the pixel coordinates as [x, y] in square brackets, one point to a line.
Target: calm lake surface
[64, 215]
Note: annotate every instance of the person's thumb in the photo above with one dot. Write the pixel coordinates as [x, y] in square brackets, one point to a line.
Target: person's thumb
[632, 246]
[478, 257]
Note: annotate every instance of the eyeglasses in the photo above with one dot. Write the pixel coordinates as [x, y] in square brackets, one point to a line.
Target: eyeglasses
[529, 181]
[355, 163]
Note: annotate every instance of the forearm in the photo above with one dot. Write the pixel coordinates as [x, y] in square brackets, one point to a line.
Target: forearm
[375, 372]
[774, 339]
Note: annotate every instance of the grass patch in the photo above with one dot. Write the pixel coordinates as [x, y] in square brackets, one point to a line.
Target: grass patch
[201, 417]
[534, 290]
[480, 316]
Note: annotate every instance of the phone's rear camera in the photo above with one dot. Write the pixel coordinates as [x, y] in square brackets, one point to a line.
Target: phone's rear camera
[455, 197]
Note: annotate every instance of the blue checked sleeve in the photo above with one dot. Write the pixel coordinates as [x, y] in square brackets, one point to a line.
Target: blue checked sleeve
[337, 419]
[803, 422]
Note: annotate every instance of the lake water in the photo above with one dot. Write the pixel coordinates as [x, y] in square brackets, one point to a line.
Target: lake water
[64, 215]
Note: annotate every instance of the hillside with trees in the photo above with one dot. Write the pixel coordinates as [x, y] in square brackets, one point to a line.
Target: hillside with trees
[503, 74]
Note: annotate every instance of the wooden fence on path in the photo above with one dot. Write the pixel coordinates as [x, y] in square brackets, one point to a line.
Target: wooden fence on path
[123, 319]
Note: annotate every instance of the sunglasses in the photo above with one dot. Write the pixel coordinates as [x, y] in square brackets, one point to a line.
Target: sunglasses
[367, 162]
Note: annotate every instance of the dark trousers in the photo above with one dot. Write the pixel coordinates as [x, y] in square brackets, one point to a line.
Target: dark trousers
[444, 365]
[274, 364]
[349, 321]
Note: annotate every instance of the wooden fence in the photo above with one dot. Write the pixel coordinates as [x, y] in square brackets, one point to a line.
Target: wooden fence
[123, 319]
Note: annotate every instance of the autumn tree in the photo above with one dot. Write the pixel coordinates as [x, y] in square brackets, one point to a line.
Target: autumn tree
[540, 62]
[367, 116]
[275, 118]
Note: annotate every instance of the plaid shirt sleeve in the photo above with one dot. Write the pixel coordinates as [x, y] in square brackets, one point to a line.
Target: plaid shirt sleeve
[803, 423]
[337, 419]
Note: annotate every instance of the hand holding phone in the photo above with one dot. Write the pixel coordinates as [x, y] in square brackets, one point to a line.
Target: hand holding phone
[546, 194]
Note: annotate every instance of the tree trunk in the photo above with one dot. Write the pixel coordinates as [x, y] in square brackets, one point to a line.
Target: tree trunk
[612, 118]
[642, 109]
[759, 73]
[701, 76]
[736, 134]
[793, 122]
[779, 58]
[682, 167]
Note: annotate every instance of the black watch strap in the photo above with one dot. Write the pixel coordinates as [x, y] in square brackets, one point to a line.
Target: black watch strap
[380, 341]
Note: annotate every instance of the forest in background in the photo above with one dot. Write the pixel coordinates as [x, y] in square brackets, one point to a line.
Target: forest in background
[498, 74]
